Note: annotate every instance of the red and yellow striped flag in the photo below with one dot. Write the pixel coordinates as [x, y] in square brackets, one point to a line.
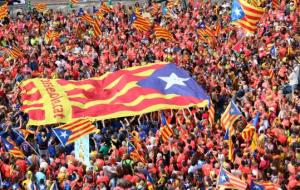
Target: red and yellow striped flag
[50, 35]
[138, 10]
[162, 33]
[3, 11]
[100, 14]
[206, 34]
[248, 132]
[96, 26]
[135, 155]
[104, 8]
[73, 2]
[228, 138]
[70, 132]
[40, 7]
[230, 115]
[256, 3]
[16, 152]
[166, 132]
[218, 29]
[86, 17]
[128, 92]
[275, 4]
[271, 73]
[13, 52]
[155, 9]
[250, 129]
[140, 23]
[268, 185]
[211, 113]
[251, 18]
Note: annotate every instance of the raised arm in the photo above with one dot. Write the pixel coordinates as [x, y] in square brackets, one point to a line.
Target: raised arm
[139, 119]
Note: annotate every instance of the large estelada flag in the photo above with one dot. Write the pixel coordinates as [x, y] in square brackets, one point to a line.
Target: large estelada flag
[127, 92]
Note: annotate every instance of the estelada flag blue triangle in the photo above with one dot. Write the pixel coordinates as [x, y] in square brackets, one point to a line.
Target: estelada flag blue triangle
[7, 145]
[234, 110]
[95, 9]
[70, 132]
[255, 186]
[12, 149]
[201, 25]
[237, 12]
[230, 115]
[62, 135]
[226, 177]
[80, 12]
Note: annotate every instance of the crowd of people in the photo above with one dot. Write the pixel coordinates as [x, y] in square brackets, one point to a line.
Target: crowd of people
[237, 67]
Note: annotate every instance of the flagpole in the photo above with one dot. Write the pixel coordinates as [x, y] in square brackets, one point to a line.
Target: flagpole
[27, 143]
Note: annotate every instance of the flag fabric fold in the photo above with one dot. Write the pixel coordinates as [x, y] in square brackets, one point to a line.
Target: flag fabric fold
[218, 29]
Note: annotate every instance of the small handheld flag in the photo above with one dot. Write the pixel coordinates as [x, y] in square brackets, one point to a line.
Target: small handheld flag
[165, 131]
[70, 132]
[250, 129]
[12, 149]
[3, 11]
[40, 7]
[140, 23]
[226, 177]
[231, 114]
[162, 33]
